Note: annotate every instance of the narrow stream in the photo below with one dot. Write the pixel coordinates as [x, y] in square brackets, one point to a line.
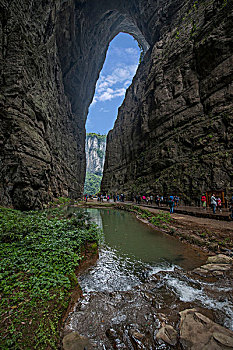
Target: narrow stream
[132, 251]
[141, 273]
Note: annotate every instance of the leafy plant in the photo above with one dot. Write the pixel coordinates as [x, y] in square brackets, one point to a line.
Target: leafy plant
[39, 253]
[160, 219]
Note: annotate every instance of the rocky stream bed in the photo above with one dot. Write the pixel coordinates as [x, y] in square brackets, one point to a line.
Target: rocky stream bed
[171, 310]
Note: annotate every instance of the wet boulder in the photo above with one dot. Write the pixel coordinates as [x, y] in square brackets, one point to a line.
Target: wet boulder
[216, 266]
[73, 341]
[219, 259]
[167, 334]
[199, 332]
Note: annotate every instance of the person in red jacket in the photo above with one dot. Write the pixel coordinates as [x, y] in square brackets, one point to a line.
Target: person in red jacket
[219, 204]
[203, 201]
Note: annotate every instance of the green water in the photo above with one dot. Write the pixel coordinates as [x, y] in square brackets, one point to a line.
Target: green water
[131, 251]
[124, 233]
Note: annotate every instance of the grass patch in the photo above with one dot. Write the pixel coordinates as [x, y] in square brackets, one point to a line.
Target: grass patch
[159, 220]
[61, 201]
[38, 256]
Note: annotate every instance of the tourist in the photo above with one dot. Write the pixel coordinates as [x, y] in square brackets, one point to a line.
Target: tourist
[171, 204]
[117, 197]
[219, 204]
[203, 201]
[213, 203]
[114, 197]
[144, 199]
[108, 198]
[151, 199]
[176, 199]
[161, 200]
[157, 200]
[101, 198]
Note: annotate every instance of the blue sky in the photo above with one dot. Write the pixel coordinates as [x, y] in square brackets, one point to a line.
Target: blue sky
[118, 71]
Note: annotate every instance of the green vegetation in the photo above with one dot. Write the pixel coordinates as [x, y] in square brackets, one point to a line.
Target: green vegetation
[100, 153]
[92, 183]
[39, 253]
[61, 201]
[159, 220]
[99, 137]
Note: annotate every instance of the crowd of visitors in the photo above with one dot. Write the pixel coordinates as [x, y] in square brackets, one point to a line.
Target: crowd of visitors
[172, 201]
[215, 202]
[116, 197]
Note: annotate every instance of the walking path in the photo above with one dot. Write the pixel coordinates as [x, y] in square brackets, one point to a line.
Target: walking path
[194, 220]
[192, 215]
[196, 211]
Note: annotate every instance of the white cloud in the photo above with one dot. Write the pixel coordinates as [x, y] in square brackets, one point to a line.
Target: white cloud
[127, 83]
[110, 94]
[94, 101]
[115, 84]
[131, 51]
[102, 86]
[105, 96]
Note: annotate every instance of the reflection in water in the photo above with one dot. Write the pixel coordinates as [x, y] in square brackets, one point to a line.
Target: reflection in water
[131, 251]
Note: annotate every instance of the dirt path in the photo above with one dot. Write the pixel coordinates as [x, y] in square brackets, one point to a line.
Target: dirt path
[193, 220]
[208, 234]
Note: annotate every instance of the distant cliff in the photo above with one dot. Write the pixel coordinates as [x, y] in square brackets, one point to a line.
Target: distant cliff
[95, 153]
[95, 156]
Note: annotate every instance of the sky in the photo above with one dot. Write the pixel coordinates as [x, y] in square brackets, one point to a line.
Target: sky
[116, 76]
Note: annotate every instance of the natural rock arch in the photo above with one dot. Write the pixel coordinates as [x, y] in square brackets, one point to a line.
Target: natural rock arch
[51, 56]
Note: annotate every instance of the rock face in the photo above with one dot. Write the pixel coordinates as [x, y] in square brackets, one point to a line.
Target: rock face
[174, 129]
[95, 156]
[51, 53]
[199, 332]
[173, 133]
[73, 341]
[167, 334]
[95, 153]
[215, 266]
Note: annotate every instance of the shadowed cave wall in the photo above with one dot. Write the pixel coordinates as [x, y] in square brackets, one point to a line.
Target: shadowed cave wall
[51, 56]
[173, 133]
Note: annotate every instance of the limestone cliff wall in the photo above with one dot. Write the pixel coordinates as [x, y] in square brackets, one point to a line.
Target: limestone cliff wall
[95, 153]
[51, 53]
[174, 130]
[42, 149]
